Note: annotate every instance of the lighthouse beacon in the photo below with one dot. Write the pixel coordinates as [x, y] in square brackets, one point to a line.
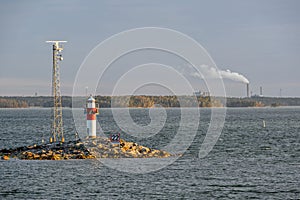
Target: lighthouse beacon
[91, 112]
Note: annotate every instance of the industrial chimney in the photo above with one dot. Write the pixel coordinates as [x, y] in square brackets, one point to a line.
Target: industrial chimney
[261, 91]
[248, 90]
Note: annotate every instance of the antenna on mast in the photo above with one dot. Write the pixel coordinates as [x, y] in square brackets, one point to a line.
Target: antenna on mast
[57, 121]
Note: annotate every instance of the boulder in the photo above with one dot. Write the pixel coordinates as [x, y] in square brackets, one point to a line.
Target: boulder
[56, 157]
[49, 153]
[29, 154]
[36, 156]
[5, 157]
[43, 157]
[143, 150]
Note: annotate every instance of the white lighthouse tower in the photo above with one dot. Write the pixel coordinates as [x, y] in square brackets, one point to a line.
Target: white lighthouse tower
[91, 112]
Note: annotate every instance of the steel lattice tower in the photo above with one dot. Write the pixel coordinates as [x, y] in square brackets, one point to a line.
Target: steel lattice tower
[57, 133]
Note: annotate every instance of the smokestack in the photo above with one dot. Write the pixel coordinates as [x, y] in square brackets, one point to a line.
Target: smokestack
[247, 89]
[261, 91]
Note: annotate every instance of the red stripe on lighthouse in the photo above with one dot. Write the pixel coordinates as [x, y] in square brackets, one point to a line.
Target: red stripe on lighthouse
[91, 113]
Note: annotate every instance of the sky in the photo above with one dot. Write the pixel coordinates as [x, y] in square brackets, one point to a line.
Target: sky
[259, 39]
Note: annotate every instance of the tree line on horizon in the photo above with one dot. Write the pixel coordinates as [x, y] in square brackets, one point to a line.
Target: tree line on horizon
[144, 101]
[141, 101]
[12, 103]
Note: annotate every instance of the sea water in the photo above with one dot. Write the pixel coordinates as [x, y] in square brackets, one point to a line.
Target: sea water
[248, 160]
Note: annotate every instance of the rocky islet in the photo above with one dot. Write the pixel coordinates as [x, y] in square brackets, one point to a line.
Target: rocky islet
[99, 147]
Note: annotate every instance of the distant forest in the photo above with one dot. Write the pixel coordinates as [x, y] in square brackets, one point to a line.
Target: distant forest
[144, 101]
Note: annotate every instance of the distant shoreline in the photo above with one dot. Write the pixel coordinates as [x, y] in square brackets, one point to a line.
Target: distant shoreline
[146, 101]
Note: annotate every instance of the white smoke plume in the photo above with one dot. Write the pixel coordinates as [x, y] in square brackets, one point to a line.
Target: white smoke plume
[233, 76]
[211, 72]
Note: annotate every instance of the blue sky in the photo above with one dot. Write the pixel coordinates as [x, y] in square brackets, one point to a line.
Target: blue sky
[259, 38]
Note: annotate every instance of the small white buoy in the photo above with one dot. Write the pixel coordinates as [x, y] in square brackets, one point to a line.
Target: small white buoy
[264, 123]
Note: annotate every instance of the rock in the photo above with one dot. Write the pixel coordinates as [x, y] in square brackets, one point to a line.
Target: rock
[134, 147]
[94, 143]
[115, 145]
[122, 141]
[164, 154]
[104, 156]
[43, 156]
[123, 150]
[127, 145]
[154, 153]
[7, 151]
[49, 153]
[80, 144]
[59, 151]
[116, 151]
[56, 157]
[36, 156]
[80, 156]
[5, 157]
[75, 151]
[90, 157]
[103, 147]
[143, 150]
[29, 154]
[133, 154]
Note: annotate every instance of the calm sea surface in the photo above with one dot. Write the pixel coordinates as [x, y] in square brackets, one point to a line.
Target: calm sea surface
[248, 161]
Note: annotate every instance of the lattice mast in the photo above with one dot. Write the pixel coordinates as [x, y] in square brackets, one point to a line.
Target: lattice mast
[57, 133]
